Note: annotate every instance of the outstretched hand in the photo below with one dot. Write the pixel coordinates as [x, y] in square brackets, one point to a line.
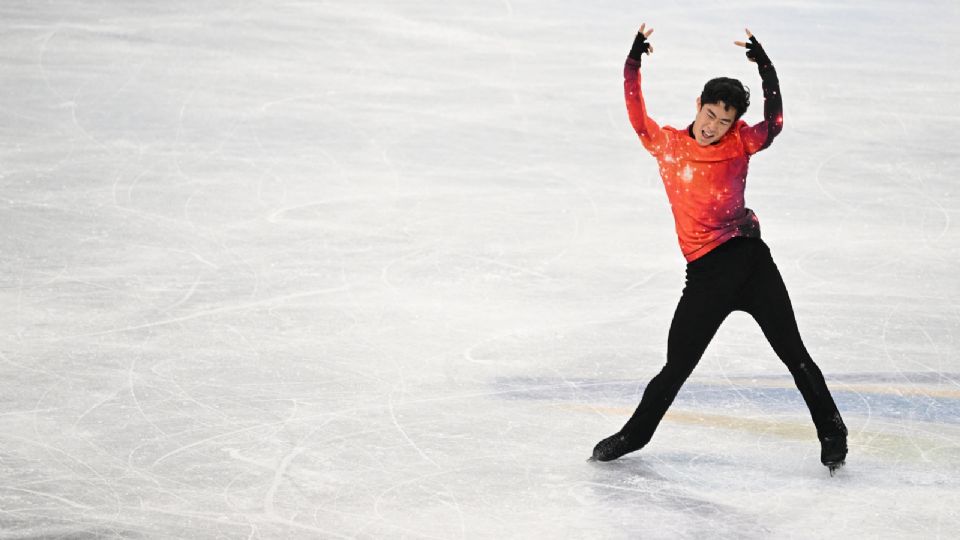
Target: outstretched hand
[755, 52]
[743, 44]
[646, 34]
[640, 43]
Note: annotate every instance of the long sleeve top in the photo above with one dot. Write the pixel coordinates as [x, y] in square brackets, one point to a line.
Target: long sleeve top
[705, 185]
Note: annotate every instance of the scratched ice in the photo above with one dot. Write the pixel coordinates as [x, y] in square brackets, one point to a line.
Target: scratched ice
[391, 268]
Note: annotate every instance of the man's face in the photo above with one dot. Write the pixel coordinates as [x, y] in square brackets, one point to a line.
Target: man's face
[712, 122]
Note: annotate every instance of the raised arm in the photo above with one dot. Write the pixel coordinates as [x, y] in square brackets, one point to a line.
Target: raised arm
[646, 128]
[759, 136]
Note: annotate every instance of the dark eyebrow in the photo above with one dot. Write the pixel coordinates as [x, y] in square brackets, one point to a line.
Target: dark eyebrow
[712, 115]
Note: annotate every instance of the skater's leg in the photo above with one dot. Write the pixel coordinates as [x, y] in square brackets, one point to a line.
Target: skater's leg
[767, 300]
[704, 304]
[694, 324]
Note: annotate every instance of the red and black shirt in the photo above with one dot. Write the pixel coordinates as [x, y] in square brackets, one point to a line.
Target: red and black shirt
[705, 184]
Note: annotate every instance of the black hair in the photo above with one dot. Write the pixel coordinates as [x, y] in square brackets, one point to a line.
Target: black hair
[730, 91]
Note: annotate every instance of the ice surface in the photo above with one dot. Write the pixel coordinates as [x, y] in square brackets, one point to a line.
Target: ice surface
[391, 268]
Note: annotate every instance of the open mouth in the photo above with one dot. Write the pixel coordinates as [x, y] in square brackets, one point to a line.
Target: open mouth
[707, 134]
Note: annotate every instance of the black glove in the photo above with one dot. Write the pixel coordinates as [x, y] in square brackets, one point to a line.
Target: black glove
[756, 53]
[640, 46]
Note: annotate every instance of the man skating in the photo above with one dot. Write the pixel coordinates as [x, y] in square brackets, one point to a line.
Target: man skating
[729, 268]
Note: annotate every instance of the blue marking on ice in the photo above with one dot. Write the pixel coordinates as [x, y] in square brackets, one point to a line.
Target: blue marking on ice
[915, 407]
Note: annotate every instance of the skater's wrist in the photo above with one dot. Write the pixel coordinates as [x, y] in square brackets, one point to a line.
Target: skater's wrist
[639, 48]
[755, 53]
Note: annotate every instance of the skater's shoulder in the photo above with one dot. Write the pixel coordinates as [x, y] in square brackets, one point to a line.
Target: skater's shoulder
[672, 131]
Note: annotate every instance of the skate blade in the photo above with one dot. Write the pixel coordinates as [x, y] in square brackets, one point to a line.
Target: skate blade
[834, 467]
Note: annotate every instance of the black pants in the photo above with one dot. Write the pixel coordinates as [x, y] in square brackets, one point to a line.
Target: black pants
[739, 275]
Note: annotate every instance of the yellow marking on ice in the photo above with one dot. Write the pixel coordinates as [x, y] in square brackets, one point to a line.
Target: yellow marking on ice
[786, 430]
[901, 390]
[919, 446]
[952, 393]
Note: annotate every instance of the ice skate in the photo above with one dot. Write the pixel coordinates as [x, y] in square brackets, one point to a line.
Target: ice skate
[612, 448]
[833, 452]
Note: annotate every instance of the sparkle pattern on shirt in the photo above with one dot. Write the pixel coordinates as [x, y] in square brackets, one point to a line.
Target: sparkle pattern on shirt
[704, 184]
